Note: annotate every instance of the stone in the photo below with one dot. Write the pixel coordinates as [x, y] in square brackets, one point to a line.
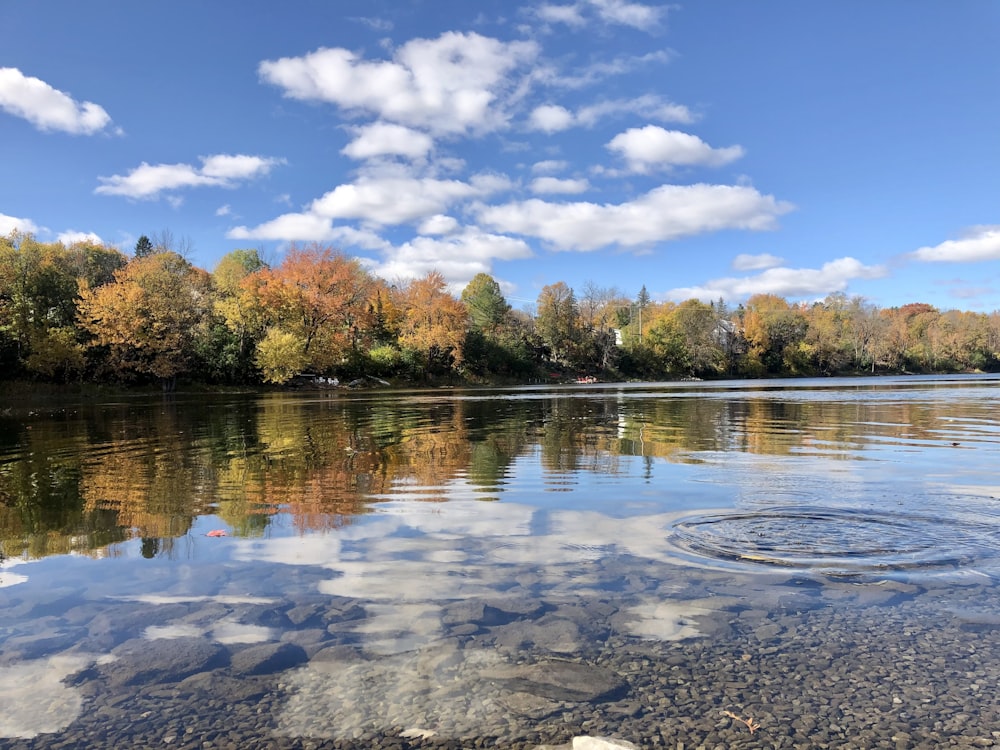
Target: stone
[554, 634]
[141, 661]
[560, 680]
[267, 658]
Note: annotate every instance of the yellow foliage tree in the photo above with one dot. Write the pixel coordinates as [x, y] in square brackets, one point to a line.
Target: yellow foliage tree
[434, 322]
[148, 317]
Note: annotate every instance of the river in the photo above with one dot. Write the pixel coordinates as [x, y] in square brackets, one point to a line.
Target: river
[782, 563]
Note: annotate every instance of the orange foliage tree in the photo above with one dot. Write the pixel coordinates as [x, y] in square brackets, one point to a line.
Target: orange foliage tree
[316, 308]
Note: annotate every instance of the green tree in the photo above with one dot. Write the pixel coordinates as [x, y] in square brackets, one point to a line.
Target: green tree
[486, 306]
[38, 290]
[144, 247]
[239, 322]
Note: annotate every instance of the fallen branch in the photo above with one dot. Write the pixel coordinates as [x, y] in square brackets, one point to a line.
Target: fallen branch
[752, 725]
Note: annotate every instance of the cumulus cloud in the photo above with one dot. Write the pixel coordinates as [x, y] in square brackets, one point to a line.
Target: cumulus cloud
[556, 185]
[663, 214]
[438, 224]
[745, 262]
[979, 244]
[784, 282]
[457, 257]
[652, 147]
[10, 224]
[388, 139]
[452, 84]
[71, 237]
[550, 118]
[220, 170]
[400, 200]
[48, 108]
[303, 227]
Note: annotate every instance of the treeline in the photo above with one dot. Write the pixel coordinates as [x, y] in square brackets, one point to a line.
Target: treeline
[88, 312]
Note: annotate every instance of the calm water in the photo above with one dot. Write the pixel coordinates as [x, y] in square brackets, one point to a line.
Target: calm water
[334, 567]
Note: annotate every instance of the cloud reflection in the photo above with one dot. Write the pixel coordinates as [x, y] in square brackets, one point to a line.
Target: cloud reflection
[34, 698]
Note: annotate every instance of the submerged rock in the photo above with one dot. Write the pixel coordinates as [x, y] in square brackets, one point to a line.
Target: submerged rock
[559, 680]
[141, 661]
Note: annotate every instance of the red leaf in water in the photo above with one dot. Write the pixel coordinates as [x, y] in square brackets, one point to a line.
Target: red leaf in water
[216, 532]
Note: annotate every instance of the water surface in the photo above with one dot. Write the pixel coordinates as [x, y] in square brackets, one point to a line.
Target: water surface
[509, 567]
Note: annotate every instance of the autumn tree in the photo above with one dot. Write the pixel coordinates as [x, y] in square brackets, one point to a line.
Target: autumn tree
[319, 298]
[688, 340]
[558, 321]
[149, 318]
[826, 340]
[773, 330]
[434, 322]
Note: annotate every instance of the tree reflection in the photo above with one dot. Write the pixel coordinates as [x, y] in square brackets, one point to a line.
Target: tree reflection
[147, 468]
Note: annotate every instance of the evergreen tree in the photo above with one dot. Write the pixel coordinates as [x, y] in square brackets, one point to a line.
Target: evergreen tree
[144, 247]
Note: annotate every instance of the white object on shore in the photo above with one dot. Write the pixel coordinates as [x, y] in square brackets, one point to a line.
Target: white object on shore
[602, 743]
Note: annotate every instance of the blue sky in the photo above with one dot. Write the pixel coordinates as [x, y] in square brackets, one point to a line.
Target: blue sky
[711, 148]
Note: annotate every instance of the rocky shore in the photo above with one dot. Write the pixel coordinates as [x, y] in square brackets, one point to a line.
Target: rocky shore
[874, 665]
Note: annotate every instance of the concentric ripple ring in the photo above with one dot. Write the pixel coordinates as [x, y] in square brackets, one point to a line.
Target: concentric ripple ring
[834, 541]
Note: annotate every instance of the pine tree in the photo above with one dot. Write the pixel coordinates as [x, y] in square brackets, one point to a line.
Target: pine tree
[143, 247]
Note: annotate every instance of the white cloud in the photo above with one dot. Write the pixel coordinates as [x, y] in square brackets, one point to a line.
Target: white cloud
[451, 84]
[304, 227]
[10, 224]
[458, 257]
[219, 170]
[550, 118]
[663, 214]
[784, 282]
[622, 12]
[653, 147]
[548, 166]
[48, 108]
[649, 106]
[71, 237]
[227, 167]
[376, 200]
[571, 15]
[979, 244]
[556, 185]
[388, 139]
[587, 75]
[399, 200]
[636, 15]
[745, 262]
[223, 210]
[438, 224]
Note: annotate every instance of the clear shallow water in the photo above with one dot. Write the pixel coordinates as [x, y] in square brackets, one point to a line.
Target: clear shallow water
[395, 564]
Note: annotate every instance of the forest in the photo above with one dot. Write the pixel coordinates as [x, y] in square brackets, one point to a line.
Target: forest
[91, 313]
